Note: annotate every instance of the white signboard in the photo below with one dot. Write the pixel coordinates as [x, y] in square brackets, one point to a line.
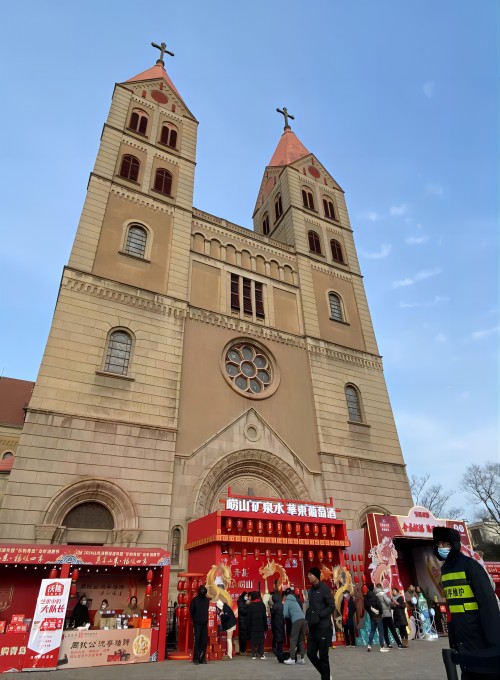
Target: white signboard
[250, 506]
[48, 622]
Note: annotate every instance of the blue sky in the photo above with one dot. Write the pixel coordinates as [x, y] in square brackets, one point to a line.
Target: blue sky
[399, 100]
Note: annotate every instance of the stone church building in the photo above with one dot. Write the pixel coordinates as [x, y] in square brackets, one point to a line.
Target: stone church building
[188, 354]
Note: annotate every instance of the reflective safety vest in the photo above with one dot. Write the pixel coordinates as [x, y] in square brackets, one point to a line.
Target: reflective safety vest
[459, 594]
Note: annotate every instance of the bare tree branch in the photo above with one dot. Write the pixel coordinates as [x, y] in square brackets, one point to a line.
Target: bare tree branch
[433, 497]
[481, 484]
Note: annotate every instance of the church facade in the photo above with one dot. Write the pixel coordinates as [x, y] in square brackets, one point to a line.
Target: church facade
[188, 354]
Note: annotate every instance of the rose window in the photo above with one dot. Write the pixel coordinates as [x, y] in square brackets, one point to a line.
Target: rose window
[248, 368]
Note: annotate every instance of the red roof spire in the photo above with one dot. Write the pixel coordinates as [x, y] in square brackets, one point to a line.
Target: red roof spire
[158, 70]
[289, 149]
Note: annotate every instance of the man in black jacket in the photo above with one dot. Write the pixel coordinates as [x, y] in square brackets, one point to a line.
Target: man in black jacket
[198, 610]
[475, 617]
[319, 619]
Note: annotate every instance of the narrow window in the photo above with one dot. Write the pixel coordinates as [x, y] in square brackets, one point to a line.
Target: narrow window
[118, 353]
[136, 241]
[138, 122]
[259, 300]
[169, 136]
[335, 307]
[176, 546]
[353, 404]
[265, 225]
[307, 199]
[129, 168]
[336, 251]
[235, 292]
[314, 242]
[247, 296]
[329, 209]
[163, 181]
[278, 207]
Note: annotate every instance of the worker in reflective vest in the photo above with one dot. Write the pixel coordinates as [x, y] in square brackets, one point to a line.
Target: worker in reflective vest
[475, 617]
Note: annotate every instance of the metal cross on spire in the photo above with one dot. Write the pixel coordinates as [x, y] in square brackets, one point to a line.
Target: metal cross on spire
[286, 115]
[163, 50]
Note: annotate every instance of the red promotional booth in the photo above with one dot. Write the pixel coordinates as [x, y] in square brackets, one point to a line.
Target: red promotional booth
[264, 543]
[115, 574]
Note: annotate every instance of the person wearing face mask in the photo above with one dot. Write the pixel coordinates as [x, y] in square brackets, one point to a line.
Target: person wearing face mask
[348, 610]
[474, 627]
[80, 615]
[98, 615]
[243, 604]
[132, 608]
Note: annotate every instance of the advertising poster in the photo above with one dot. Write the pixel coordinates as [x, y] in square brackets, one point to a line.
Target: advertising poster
[83, 648]
[48, 622]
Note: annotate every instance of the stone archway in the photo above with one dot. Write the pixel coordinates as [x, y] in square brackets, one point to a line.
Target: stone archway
[265, 468]
[98, 490]
[360, 521]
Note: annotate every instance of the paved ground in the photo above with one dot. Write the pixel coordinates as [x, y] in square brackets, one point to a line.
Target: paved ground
[421, 661]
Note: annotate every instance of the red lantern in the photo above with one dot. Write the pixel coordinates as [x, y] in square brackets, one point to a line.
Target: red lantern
[260, 526]
[310, 555]
[149, 575]
[353, 558]
[348, 567]
[244, 553]
[307, 529]
[324, 530]
[279, 528]
[149, 589]
[249, 526]
[355, 567]
[360, 558]
[346, 556]
[72, 590]
[75, 574]
[329, 554]
[356, 579]
[332, 530]
[316, 529]
[297, 528]
[53, 573]
[239, 524]
[257, 553]
[290, 553]
[195, 584]
[364, 589]
[363, 577]
[301, 554]
[279, 553]
[320, 555]
[179, 585]
[270, 527]
[229, 524]
[289, 528]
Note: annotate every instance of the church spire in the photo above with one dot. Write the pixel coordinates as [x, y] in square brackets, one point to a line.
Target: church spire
[286, 116]
[163, 50]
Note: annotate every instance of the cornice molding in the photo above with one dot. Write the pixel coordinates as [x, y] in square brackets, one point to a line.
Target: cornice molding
[138, 199]
[331, 272]
[112, 421]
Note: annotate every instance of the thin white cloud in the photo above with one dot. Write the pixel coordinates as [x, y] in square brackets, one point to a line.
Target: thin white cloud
[416, 240]
[441, 338]
[371, 216]
[437, 300]
[479, 335]
[384, 251]
[419, 276]
[434, 189]
[428, 89]
[398, 210]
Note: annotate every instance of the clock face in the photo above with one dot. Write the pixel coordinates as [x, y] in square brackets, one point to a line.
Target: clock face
[314, 172]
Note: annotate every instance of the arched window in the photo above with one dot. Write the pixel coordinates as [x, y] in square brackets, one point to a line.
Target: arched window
[138, 122]
[89, 515]
[278, 207]
[307, 199]
[137, 238]
[265, 224]
[329, 209]
[176, 546]
[335, 307]
[118, 353]
[314, 242]
[336, 251]
[163, 182]
[353, 403]
[129, 168]
[7, 454]
[169, 136]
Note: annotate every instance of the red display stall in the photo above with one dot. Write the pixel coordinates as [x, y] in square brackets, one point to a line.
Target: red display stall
[265, 543]
[114, 574]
